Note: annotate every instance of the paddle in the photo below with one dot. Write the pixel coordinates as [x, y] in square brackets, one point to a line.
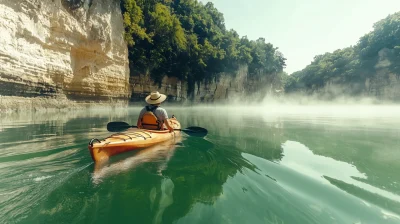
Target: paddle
[121, 126]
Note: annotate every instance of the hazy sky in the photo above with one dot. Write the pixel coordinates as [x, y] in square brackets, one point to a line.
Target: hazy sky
[304, 28]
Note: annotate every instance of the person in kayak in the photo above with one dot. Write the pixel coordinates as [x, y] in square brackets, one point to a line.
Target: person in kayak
[153, 116]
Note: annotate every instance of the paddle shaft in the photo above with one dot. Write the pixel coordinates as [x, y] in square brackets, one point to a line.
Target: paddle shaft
[120, 126]
[174, 129]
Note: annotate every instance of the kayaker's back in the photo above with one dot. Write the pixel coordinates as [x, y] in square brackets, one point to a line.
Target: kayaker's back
[152, 117]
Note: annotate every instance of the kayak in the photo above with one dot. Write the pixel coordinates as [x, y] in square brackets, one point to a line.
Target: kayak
[131, 139]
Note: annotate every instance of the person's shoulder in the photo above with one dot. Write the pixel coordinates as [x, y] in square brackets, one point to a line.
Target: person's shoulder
[161, 109]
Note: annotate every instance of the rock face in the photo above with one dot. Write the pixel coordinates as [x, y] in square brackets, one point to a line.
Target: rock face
[226, 87]
[142, 85]
[385, 84]
[68, 48]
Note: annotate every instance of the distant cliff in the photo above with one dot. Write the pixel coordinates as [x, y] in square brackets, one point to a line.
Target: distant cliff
[227, 88]
[72, 49]
[371, 68]
[383, 84]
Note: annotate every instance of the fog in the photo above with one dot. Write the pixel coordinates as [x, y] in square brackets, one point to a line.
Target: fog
[297, 105]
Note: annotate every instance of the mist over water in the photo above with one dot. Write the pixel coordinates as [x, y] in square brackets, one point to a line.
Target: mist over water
[261, 163]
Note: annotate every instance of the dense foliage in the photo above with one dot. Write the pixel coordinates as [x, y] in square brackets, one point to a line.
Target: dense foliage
[188, 40]
[353, 64]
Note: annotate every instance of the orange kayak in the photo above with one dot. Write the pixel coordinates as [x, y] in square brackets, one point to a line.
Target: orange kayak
[129, 140]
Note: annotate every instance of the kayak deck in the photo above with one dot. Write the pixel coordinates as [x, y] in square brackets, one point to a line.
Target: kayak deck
[132, 139]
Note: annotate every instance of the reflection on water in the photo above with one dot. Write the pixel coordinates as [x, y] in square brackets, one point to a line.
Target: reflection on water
[159, 154]
[298, 157]
[276, 165]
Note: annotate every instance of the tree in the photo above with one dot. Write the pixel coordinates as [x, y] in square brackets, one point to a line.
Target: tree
[188, 40]
[133, 22]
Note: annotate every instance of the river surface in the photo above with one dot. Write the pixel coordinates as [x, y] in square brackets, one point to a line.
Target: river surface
[264, 164]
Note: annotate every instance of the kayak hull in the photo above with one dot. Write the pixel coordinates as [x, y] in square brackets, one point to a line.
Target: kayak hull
[131, 139]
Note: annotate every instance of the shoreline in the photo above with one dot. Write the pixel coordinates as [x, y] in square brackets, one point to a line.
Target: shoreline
[14, 104]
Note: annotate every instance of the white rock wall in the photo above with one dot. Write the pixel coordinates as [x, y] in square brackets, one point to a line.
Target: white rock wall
[49, 47]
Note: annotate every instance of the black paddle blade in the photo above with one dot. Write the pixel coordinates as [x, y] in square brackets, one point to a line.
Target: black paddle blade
[196, 131]
[117, 126]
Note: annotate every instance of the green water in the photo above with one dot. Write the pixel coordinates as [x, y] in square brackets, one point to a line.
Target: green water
[257, 165]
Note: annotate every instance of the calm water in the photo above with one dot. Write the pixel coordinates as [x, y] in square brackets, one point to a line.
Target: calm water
[270, 165]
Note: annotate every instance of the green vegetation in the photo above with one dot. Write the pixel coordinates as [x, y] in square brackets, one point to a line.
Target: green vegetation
[353, 64]
[188, 40]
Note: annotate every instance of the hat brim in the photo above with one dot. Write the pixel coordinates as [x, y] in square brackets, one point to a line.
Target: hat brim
[159, 100]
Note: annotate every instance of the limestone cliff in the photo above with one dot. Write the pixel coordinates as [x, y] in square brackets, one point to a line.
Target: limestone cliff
[69, 48]
[385, 84]
[142, 85]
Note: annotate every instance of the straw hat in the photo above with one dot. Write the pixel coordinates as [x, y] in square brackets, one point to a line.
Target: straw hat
[155, 98]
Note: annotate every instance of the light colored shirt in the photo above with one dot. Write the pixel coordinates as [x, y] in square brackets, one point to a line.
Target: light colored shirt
[159, 112]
